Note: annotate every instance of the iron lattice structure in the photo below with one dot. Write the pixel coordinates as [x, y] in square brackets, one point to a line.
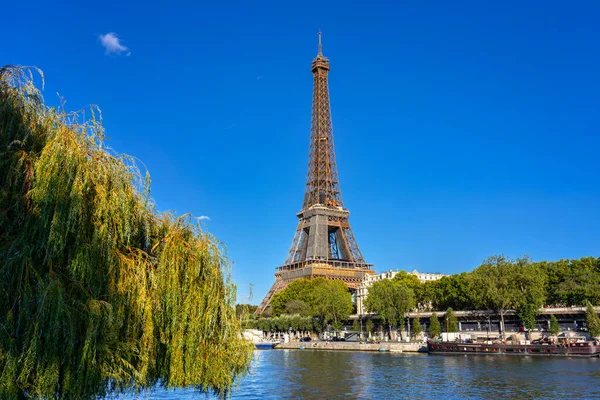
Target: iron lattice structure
[323, 245]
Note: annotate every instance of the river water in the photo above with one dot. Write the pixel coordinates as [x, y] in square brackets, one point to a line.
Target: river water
[305, 374]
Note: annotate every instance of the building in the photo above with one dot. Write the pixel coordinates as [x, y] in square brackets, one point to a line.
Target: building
[363, 289]
[323, 245]
[426, 276]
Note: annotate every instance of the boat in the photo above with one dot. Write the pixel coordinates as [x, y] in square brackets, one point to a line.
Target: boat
[577, 348]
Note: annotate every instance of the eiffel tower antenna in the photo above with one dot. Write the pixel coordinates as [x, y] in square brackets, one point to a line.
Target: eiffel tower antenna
[324, 244]
[320, 45]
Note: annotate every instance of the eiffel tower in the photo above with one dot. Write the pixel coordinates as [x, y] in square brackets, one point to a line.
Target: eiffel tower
[324, 245]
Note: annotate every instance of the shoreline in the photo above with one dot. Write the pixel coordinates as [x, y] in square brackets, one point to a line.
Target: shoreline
[394, 347]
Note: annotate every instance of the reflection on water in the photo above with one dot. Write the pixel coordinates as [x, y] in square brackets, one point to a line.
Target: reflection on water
[309, 374]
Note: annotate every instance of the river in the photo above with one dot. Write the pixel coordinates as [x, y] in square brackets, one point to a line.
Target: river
[292, 374]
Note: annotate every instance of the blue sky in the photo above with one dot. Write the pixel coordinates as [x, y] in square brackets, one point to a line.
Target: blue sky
[462, 129]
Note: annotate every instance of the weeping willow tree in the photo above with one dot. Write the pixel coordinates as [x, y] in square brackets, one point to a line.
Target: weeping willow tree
[100, 293]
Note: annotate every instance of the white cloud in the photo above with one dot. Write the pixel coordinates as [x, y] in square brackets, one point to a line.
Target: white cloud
[203, 218]
[113, 45]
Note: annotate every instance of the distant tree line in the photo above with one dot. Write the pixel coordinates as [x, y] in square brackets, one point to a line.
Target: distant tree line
[552, 283]
[281, 323]
[285, 323]
[498, 284]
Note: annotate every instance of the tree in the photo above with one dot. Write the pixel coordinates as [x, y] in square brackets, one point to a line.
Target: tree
[298, 290]
[592, 321]
[527, 313]
[426, 300]
[451, 321]
[407, 279]
[450, 291]
[573, 282]
[412, 282]
[501, 284]
[391, 301]
[356, 326]
[554, 327]
[489, 285]
[523, 284]
[298, 307]
[434, 326]
[332, 302]
[328, 300]
[529, 280]
[369, 327]
[100, 292]
[416, 326]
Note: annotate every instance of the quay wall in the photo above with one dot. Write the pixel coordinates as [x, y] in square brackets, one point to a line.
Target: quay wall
[356, 346]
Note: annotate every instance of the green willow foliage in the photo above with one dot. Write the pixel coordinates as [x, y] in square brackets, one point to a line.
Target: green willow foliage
[99, 292]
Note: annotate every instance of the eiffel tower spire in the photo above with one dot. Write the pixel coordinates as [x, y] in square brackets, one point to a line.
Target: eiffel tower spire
[320, 45]
[322, 184]
[323, 245]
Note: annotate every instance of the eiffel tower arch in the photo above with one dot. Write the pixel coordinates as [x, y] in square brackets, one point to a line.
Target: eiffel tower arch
[323, 245]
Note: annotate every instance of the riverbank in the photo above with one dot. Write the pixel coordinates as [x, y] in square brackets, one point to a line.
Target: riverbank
[355, 346]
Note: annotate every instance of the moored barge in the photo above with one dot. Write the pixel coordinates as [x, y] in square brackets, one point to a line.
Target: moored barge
[573, 349]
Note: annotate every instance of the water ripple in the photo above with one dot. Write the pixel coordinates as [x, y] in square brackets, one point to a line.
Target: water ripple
[297, 374]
